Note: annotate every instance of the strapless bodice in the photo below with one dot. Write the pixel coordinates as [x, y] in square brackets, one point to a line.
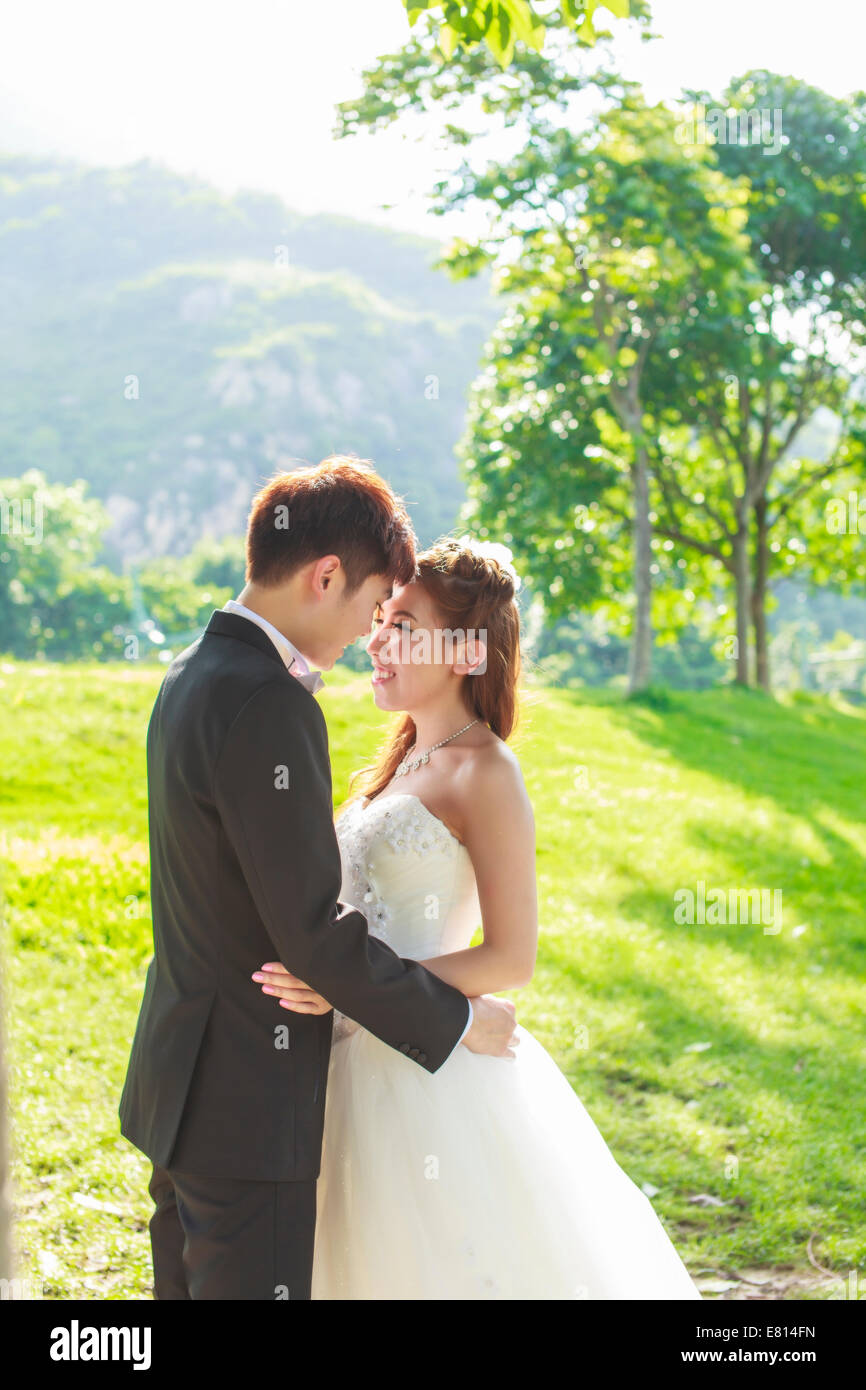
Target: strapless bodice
[412, 879]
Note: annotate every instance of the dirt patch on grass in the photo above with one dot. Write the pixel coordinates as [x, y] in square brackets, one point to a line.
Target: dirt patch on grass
[768, 1282]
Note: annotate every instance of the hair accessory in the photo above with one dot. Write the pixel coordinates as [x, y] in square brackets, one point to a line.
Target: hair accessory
[492, 550]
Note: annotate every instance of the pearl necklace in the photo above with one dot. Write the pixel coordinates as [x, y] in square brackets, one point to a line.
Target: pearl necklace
[407, 766]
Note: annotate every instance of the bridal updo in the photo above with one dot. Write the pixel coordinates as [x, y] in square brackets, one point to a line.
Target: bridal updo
[471, 590]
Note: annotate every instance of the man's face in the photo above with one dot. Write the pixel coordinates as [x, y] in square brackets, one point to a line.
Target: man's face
[352, 617]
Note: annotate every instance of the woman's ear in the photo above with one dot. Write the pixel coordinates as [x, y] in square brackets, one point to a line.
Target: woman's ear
[471, 656]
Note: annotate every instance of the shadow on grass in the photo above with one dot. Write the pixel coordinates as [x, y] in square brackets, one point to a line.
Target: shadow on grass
[821, 1082]
[765, 746]
[809, 759]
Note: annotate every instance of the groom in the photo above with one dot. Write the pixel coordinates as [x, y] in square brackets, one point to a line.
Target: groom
[225, 1093]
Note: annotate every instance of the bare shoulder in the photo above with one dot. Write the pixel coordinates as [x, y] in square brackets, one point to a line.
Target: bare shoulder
[488, 784]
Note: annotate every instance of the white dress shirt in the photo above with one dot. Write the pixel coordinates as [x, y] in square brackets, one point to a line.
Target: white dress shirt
[297, 664]
[294, 660]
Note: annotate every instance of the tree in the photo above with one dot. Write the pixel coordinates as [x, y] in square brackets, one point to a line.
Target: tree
[55, 601]
[501, 24]
[731, 386]
[534, 94]
[560, 203]
[177, 606]
[218, 564]
[797, 348]
[642, 238]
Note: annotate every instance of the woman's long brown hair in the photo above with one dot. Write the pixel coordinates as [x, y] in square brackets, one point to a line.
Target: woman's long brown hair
[469, 591]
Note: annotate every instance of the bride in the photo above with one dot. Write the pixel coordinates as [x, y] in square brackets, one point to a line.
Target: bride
[486, 1179]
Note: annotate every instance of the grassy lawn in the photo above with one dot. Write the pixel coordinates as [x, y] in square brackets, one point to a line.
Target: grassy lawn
[723, 1062]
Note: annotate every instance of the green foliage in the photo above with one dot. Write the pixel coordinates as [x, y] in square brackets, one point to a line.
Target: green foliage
[54, 600]
[678, 303]
[174, 603]
[56, 603]
[221, 564]
[502, 24]
[762, 389]
[584, 650]
[647, 237]
[419, 77]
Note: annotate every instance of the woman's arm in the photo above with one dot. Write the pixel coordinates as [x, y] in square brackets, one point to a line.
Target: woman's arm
[499, 833]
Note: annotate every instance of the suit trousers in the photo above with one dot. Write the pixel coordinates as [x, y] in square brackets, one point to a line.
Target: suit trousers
[227, 1238]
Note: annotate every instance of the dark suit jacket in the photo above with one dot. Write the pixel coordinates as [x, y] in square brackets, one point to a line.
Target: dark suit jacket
[245, 868]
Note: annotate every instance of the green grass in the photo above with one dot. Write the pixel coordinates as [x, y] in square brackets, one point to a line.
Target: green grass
[633, 801]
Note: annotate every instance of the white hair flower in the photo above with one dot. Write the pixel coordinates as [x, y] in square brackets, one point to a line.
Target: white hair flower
[492, 550]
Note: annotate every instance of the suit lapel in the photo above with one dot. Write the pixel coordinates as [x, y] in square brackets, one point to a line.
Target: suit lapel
[224, 624]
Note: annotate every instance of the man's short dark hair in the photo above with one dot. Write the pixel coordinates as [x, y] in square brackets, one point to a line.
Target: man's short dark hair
[339, 507]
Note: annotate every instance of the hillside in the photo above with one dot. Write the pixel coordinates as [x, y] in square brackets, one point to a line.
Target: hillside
[172, 346]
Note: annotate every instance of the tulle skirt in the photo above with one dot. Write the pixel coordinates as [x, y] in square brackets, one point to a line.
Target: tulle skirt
[485, 1180]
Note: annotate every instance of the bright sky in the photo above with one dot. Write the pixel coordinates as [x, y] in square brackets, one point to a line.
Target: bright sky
[243, 94]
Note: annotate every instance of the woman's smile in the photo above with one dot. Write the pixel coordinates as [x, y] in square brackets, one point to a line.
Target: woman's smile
[381, 674]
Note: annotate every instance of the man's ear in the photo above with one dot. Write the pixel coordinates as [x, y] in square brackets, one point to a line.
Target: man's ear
[472, 656]
[324, 572]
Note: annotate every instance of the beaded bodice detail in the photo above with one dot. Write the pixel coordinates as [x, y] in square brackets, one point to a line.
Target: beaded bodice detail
[411, 878]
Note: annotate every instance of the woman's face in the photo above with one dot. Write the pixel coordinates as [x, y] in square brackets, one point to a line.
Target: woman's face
[410, 666]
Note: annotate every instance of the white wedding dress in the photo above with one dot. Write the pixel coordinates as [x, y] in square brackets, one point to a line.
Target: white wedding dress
[486, 1179]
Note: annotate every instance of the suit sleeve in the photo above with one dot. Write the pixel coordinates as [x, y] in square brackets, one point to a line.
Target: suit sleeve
[272, 789]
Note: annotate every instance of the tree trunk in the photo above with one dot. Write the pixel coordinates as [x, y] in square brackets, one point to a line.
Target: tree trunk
[742, 580]
[759, 597]
[640, 654]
